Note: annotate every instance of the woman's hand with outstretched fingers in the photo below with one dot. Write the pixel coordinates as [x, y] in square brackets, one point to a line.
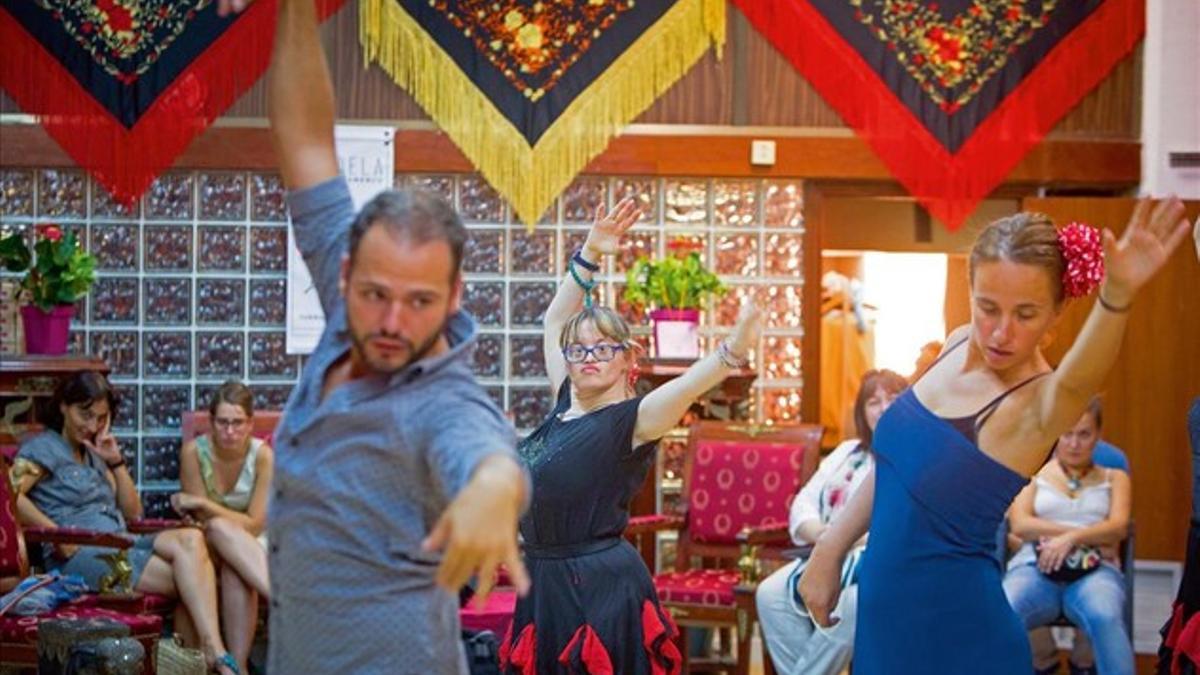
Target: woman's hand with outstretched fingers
[1153, 233]
[610, 226]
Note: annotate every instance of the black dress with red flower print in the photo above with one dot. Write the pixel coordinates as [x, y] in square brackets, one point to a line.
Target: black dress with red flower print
[592, 607]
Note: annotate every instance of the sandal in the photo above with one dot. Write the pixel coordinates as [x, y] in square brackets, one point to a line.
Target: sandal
[228, 662]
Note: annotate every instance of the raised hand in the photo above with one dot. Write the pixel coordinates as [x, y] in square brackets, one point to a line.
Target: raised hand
[747, 330]
[609, 226]
[1153, 233]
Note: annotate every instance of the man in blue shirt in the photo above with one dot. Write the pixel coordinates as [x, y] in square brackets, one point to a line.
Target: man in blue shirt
[396, 477]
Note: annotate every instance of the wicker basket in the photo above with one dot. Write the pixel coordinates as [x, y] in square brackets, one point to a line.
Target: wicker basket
[175, 659]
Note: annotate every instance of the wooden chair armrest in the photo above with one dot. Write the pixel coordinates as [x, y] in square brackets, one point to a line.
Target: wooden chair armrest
[774, 533]
[657, 522]
[76, 535]
[152, 525]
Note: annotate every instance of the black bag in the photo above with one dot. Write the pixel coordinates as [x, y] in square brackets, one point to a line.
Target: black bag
[483, 652]
[1081, 562]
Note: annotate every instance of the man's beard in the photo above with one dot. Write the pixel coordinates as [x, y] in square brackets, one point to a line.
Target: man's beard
[415, 353]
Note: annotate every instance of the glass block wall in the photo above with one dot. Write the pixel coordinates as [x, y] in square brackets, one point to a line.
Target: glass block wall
[192, 284]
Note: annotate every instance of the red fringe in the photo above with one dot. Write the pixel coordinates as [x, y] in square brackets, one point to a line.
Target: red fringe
[127, 161]
[522, 656]
[1188, 643]
[592, 654]
[659, 639]
[949, 186]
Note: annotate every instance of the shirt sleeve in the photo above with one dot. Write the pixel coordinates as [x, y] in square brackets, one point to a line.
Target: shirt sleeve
[321, 219]
[465, 430]
[807, 504]
[42, 450]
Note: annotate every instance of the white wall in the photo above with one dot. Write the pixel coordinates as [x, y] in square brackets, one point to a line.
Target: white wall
[1171, 96]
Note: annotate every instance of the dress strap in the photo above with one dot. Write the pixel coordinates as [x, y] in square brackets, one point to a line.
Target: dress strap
[944, 354]
[985, 413]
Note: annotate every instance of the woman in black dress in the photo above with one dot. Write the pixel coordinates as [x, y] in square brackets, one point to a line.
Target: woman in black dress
[592, 607]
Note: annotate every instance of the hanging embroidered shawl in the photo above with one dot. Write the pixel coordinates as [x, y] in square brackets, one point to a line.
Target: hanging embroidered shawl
[125, 85]
[532, 91]
[951, 94]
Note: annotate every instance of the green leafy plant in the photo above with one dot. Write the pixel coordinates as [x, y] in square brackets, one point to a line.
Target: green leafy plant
[678, 281]
[57, 270]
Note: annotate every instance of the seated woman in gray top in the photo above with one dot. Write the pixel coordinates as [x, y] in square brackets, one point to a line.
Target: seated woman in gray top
[226, 477]
[74, 475]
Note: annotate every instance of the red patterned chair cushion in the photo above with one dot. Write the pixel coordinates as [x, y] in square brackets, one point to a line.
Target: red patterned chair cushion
[697, 587]
[495, 616]
[148, 603]
[24, 629]
[10, 554]
[741, 483]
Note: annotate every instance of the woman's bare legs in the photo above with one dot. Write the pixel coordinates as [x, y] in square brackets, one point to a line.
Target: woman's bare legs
[239, 615]
[238, 549]
[181, 567]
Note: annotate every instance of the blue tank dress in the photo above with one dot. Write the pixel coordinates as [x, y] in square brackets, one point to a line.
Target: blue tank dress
[930, 598]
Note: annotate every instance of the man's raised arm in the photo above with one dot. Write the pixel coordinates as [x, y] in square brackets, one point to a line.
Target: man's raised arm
[300, 98]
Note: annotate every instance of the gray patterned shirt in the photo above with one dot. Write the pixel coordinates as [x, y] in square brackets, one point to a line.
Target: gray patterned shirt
[360, 478]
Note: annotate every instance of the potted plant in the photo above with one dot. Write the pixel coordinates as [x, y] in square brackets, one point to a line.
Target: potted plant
[675, 288]
[57, 273]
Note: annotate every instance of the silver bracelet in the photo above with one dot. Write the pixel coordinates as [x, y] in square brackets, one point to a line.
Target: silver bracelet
[729, 359]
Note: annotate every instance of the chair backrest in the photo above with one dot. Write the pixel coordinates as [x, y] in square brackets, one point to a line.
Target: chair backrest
[14, 563]
[738, 475]
[196, 422]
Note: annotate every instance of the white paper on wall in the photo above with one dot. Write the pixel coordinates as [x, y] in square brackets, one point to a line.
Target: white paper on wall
[367, 160]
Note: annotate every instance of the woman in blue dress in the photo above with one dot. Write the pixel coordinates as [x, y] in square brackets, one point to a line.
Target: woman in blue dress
[592, 607]
[953, 451]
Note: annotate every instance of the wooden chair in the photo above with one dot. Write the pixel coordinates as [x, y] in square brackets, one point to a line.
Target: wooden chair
[18, 634]
[739, 482]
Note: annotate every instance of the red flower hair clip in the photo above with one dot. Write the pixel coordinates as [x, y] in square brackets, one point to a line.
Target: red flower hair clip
[1084, 254]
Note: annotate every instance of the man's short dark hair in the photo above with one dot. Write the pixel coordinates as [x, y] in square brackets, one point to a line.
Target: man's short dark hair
[419, 216]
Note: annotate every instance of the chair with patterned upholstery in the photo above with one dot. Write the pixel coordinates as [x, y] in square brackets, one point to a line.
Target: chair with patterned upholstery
[18, 634]
[738, 484]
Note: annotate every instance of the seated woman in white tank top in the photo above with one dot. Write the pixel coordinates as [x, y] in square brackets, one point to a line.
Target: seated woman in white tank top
[1072, 518]
[226, 478]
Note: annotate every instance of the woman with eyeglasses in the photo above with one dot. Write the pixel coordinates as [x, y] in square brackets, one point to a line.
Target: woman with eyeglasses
[226, 477]
[74, 475]
[592, 606]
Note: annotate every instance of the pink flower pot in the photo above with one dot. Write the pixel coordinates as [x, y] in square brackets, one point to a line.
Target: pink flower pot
[676, 333]
[46, 332]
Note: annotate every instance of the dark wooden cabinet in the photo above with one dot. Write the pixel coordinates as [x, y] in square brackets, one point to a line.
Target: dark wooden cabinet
[27, 381]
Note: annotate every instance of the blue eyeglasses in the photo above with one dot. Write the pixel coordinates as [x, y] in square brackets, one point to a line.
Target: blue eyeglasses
[603, 352]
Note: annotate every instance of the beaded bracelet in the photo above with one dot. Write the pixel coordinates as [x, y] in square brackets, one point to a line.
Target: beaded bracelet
[584, 263]
[584, 284]
[729, 359]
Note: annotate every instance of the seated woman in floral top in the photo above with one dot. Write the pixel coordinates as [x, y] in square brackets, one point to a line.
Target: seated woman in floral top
[794, 644]
[74, 475]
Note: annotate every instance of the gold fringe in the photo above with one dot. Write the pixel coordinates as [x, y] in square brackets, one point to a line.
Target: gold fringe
[530, 178]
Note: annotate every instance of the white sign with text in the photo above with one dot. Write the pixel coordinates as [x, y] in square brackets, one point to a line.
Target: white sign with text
[366, 158]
